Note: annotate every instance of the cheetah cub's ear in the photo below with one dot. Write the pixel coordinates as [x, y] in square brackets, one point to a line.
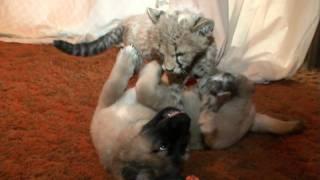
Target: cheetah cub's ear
[154, 14]
[203, 26]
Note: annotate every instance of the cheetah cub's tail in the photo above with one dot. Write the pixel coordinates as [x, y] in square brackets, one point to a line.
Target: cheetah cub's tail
[94, 47]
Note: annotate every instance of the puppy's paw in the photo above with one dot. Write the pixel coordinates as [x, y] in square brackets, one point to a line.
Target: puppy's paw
[299, 127]
[151, 68]
[133, 56]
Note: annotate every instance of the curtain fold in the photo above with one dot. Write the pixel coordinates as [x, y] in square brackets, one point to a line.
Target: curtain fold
[264, 40]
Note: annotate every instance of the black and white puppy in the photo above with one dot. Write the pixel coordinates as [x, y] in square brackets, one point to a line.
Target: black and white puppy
[134, 141]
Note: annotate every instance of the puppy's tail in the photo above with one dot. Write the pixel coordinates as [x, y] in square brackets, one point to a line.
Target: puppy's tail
[267, 124]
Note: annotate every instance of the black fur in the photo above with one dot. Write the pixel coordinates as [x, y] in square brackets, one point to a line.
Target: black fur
[134, 171]
[163, 130]
[140, 172]
[172, 132]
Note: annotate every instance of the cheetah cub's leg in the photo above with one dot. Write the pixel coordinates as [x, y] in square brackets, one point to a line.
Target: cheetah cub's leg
[152, 93]
[216, 90]
[206, 66]
[128, 61]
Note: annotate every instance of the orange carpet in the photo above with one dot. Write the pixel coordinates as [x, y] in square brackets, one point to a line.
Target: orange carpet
[47, 99]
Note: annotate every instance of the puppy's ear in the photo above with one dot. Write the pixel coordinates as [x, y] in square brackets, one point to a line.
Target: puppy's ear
[175, 128]
[179, 124]
[129, 172]
[203, 26]
[134, 171]
[154, 14]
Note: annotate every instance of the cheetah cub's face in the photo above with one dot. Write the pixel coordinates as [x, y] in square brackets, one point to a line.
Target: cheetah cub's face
[183, 36]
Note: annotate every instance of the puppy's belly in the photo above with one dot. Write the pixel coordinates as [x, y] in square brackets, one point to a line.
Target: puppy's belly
[128, 109]
[125, 111]
[108, 124]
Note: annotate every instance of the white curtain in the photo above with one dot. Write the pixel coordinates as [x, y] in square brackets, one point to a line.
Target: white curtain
[41, 21]
[268, 40]
[265, 40]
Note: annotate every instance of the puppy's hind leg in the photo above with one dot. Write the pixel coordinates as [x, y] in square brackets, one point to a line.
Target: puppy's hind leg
[128, 61]
[264, 123]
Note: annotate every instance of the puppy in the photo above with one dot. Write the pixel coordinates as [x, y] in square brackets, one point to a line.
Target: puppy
[134, 141]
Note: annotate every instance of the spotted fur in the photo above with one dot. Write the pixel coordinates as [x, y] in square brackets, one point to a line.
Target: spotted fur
[179, 39]
[90, 48]
[134, 141]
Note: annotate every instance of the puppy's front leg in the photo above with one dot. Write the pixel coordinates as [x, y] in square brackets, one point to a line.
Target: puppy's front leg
[151, 93]
[128, 61]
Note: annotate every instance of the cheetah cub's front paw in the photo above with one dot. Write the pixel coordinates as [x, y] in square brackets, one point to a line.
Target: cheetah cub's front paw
[219, 84]
[223, 83]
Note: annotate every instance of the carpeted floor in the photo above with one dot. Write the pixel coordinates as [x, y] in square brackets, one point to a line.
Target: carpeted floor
[47, 99]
